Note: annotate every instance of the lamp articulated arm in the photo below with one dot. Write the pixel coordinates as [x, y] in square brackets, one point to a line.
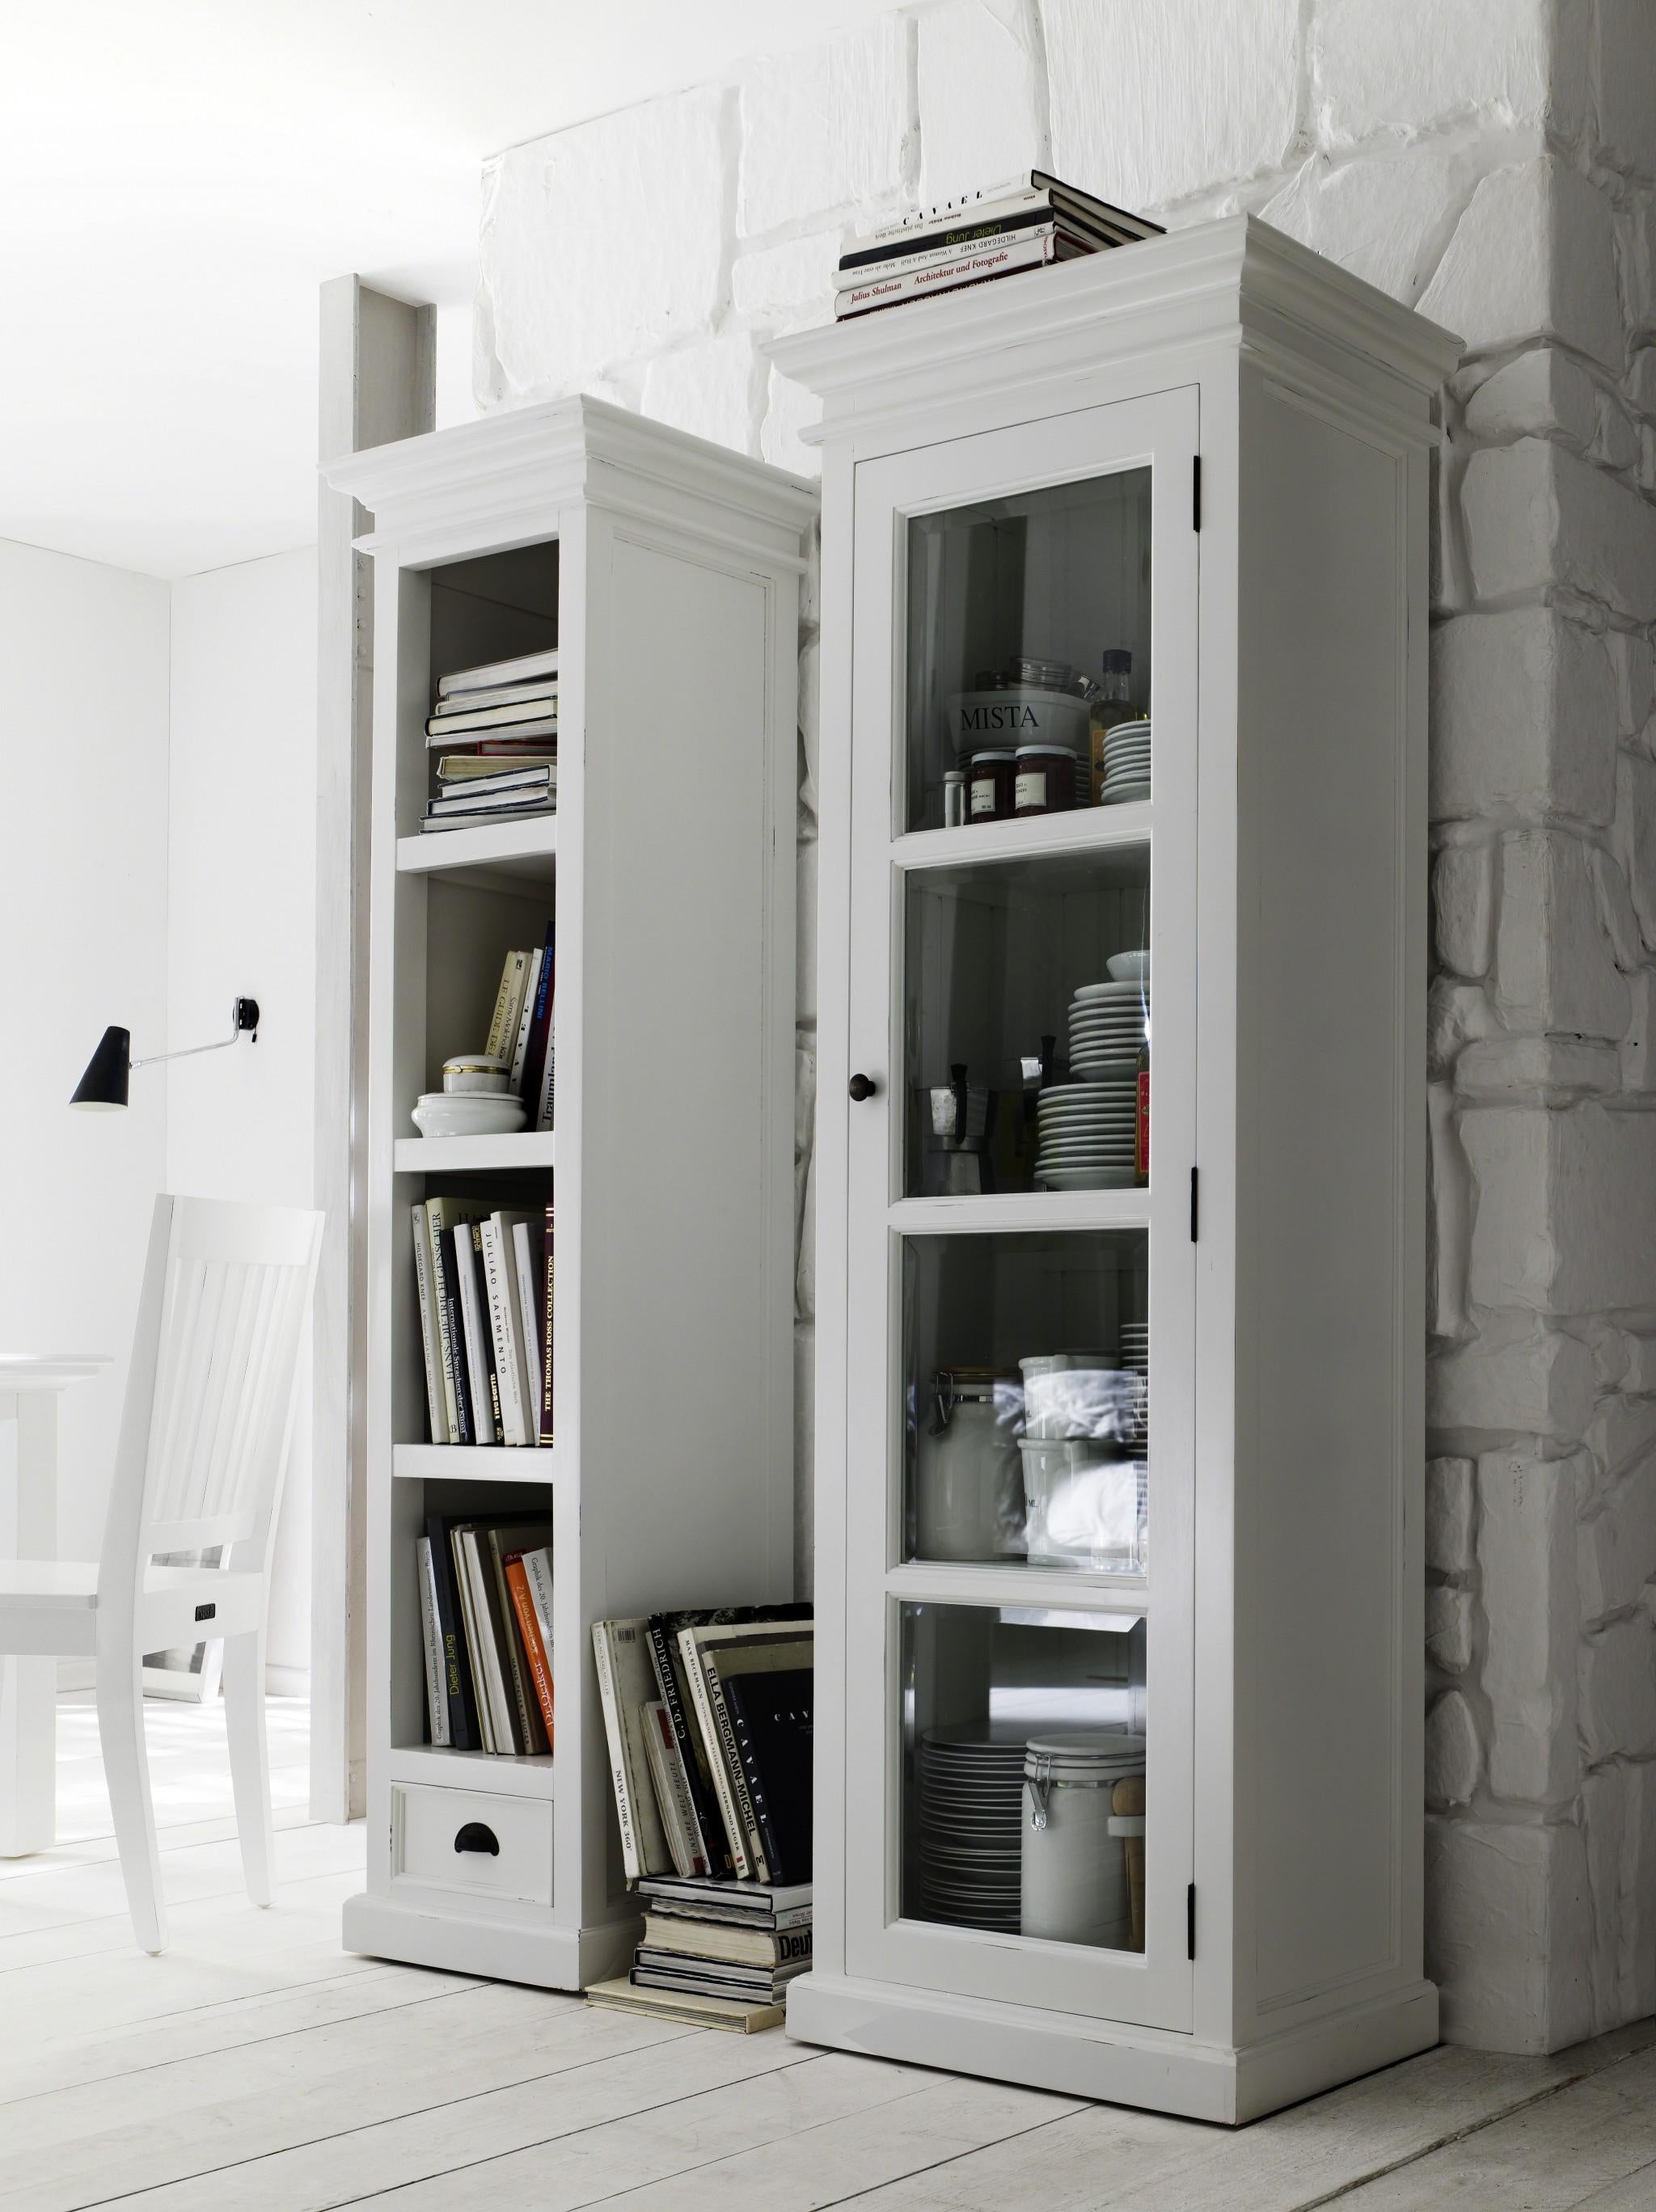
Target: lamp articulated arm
[243, 1017]
[103, 1086]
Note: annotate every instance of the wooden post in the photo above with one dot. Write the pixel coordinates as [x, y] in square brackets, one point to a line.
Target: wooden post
[376, 383]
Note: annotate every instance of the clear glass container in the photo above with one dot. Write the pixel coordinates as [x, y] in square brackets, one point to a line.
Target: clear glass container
[1010, 601]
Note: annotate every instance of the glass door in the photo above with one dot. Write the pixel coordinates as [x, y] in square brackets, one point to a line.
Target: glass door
[1020, 1272]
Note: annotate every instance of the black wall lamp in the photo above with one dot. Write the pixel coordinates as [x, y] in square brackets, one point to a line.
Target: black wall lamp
[103, 1087]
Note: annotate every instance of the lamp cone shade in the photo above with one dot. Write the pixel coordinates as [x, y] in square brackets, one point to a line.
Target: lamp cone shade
[103, 1087]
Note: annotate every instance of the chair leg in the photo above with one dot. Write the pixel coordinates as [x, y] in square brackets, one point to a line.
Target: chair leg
[250, 1766]
[126, 1768]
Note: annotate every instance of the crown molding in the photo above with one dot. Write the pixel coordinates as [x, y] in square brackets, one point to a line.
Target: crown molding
[529, 461]
[1237, 283]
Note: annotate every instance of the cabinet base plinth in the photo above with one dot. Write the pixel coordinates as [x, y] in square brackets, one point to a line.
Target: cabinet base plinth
[1074, 2057]
[459, 1942]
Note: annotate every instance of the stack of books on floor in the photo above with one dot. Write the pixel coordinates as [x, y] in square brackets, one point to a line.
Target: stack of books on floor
[715, 1954]
[494, 730]
[709, 1717]
[1022, 225]
[485, 1283]
[486, 1626]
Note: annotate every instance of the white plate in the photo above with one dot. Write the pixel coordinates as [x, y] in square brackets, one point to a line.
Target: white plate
[1087, 1178]
[1126, 793]
[1088, 993]
[1102, 1067]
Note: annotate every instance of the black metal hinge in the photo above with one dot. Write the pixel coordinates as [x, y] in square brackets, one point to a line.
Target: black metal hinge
[1195, 1203]
[1196, 493]
[1190, 1922]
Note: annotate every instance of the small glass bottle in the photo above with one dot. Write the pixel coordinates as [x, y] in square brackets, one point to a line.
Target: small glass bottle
[1111, 706]
[954, 798]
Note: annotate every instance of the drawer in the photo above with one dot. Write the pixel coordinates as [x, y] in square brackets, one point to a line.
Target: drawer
[466, 1840]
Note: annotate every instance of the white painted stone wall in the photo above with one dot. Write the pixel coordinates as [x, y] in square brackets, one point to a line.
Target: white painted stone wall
[1493, 162]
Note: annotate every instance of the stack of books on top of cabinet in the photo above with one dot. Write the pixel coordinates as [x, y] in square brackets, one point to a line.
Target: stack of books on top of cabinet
[709, 1716]
[486, 1627]
[494, 729]
[1022, 225]
[485, 1283]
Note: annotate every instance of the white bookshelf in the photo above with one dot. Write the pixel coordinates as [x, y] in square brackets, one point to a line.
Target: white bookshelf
[667, 572]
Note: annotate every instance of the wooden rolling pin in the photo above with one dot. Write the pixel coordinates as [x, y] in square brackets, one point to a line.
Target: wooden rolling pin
[1128, 1803]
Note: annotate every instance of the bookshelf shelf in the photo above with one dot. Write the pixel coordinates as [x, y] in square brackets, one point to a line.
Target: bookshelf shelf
[516, 851]
[471, 1770]
[471, 1463]
[441, 1156]
[625, 546]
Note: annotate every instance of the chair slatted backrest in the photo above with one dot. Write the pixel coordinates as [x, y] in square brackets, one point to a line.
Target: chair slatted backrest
[211, 1394]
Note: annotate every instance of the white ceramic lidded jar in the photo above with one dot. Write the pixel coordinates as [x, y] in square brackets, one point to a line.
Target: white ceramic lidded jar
[969, 1492]
[1075, 1887]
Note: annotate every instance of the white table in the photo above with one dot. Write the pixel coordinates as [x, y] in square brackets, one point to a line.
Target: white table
[30, 1384]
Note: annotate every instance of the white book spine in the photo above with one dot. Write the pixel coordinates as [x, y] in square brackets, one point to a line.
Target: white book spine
[508, 1004]
[474, 1631]
[544, 1110]
[430, 1346]
[673, 1791]
[530, 1303]
[735, 1832]
[486, 1662]
[436, 1696]
[538, 1572]
[1000, 200]
[497, 1270]
[972, 268]
[472, 1314]
[526, 1019]
[609, 1701]
[902, 265]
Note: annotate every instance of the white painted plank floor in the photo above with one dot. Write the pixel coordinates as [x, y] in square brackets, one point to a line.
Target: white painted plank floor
[257, 2066]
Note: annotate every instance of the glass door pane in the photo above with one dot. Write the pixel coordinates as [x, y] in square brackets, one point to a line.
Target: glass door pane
[1029, 644]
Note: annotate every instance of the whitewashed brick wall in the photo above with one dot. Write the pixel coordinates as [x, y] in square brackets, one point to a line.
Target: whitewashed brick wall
[1493, 162]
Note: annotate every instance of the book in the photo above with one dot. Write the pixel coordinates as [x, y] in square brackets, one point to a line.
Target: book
[723, 1766]
[499, 1539]
[546, 1105]
[900, 257]
[538, 797]
[538, 1570]
[745, 1984]
[464, 1730]
[673, 1797]
[732, 1915]
[548, 1434]
[505, 1328]
[495, 778]
[1038, 188]
[671, 1934]
[975, 267]
[458, 719]
[773, 1716]
[668, 1662]
[624, 1689]
[526, 1239]
[688, 2010]
[477, 1646]
[536, 1648]
[755, 1904]
[436, 1694]
[497, 695]
[717, 1653]
[508, 1004]
[481, 819]
[490, 674]
[520, 1050]
[431, 1349]
[477, 767]
[456, 729]
[440, 1215]
[475, 1337]
[540, 1026]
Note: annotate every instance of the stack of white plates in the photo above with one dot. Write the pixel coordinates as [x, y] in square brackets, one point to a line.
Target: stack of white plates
[1087, 1134]
[1126, 764]
[970, 1795]
[1106, 1028]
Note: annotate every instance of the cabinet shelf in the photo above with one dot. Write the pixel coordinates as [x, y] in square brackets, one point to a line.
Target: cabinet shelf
[473, 1155]
[472, 1463]
[522, 1775]
[518, 851]
[1083, 830]
[1021, 1209]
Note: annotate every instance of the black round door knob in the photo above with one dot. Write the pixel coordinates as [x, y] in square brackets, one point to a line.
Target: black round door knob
[861, 1087]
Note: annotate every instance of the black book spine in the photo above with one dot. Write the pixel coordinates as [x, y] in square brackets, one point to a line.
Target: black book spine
[464, 1733]
[448, 1261]
[769, 1842]
[708, 1819]
[487, 1332]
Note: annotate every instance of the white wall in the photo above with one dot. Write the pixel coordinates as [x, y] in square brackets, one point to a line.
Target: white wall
[84, 838]
[241, 921]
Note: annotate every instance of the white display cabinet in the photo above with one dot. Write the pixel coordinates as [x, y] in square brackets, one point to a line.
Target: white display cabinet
[1119, 1710]
[667, 572]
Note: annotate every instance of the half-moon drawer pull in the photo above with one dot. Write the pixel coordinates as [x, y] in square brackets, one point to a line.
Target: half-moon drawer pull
[476, 1836]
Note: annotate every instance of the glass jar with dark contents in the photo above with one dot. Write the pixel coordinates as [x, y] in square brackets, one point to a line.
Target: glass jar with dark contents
[989, 787]
[1044, 781]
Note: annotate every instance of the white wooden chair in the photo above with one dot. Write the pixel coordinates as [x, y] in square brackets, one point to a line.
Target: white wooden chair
[210, 1395]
